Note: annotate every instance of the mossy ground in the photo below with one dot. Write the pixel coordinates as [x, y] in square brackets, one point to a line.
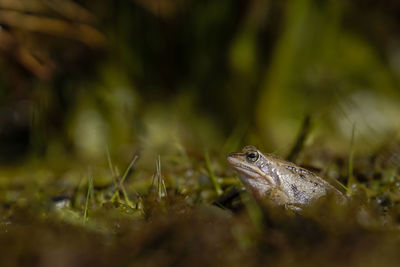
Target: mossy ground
[177, 217]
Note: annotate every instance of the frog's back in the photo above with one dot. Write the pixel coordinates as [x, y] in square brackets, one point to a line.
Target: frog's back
[301, 185]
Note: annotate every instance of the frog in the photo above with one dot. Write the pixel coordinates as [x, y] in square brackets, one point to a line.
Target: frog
[284, 183]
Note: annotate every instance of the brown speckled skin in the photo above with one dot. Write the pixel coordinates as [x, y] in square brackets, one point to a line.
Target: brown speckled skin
[289, 183]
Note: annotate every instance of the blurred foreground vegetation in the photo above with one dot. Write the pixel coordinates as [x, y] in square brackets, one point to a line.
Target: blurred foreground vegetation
[116, 118]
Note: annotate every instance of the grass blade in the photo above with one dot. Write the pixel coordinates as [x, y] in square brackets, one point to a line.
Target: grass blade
[161, 189]
[213, 178]
[120, 184]
[88, 196]
[351, 179]
[113, 176]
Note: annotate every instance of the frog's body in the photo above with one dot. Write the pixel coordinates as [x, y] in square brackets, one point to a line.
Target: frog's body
[283, 182]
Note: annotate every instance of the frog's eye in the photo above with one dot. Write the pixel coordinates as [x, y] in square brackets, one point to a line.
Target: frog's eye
[252, 156]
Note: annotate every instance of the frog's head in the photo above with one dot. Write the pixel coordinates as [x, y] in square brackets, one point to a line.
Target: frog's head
[250, 164]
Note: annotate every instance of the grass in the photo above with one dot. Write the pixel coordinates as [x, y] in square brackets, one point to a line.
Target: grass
[189, 209]
[145, 220]
[211, 174]
[350, 178]
[119, 185]
[158, 181]
[89, 194]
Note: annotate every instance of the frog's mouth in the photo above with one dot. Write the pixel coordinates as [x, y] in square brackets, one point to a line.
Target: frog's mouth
[249, 171]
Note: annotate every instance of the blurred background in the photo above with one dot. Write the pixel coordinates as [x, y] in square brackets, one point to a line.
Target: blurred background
[180, 77]
[85, 85]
